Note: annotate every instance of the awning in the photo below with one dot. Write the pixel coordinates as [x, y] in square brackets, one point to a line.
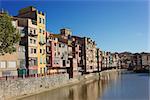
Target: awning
[33, 67]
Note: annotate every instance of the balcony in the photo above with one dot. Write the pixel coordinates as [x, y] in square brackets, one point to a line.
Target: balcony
[48, 52]
[34, 22]
[42, 43]
[32, 34]
[70, 55]
[33, 61]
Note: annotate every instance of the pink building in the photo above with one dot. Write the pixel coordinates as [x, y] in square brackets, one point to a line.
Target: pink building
[52, 57]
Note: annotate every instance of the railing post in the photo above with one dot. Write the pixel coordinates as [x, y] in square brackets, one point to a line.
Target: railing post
[23, 76]
[6, 77]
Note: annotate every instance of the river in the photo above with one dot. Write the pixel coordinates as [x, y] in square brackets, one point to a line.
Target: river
[129, 86]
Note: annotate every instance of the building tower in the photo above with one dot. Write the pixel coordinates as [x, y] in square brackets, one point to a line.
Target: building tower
[38, 18]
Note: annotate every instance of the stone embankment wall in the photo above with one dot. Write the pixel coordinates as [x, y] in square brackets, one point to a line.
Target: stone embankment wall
[29, 86]
[14, 88]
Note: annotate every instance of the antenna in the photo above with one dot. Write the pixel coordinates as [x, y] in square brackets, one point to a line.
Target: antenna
[2, 10]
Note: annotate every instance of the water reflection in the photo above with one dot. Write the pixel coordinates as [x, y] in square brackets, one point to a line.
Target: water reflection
[88, 90]
[131, 86]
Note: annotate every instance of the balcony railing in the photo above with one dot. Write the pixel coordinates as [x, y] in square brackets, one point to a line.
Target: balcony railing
[42, 43]
[34, 22]
[32, 34]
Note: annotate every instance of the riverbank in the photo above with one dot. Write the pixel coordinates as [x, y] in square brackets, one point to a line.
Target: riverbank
[67, 82]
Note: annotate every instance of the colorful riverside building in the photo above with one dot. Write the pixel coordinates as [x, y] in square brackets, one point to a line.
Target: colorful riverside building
[115, 60]
[99, 60]
[109, 59]
[39, 19]
[57, 54]
[104, 60]
[9, 63]
[63, 53]
[88, 62]
[29, 40]
[90, 51]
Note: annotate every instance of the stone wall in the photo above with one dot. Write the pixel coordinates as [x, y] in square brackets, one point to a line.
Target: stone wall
[19, 87]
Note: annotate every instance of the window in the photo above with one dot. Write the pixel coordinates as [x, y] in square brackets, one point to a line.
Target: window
[80, 48]
[11, 64]
[40, 20]
[43, 51]
[34, 31]
[40, 50]
[34, 50]
[34, 41]
[40, 60]
[31, 50]
[35, 62]
[30, 40]
[41, 70]
[22, 32]
[43, 21]
[58, 53]
[44, 60]
[40, 30]
[43, 31]
[91, 67]
[79, 54]
[2, 64]
[59, 45]
[44, 70]
[30, 31]
[64, 63]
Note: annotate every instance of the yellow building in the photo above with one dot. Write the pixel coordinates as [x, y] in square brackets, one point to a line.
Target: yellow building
[38, 18]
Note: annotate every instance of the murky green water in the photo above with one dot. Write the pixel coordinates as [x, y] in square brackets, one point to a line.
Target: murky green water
[117, 87]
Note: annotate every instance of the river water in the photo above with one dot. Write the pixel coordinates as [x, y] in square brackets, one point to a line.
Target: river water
[129, 86]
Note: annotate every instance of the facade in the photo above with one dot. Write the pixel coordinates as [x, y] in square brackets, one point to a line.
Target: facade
[76, 53]
[99, 60]
[63, 53]
[88, 55]
[81, 54]
[145, 60]
[73, 51]
[10, 63]
[38, 18]
[126, 60]
[29, 40]
[57, 53]
[108, 60]
[137, 61]
[50, 41]
[115, 60]
[104, 60]
[91, 52]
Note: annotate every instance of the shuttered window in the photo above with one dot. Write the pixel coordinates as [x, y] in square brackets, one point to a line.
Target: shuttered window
[2, 64]
[11, 64]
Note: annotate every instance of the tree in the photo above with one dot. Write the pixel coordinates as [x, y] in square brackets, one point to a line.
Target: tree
[9, 35]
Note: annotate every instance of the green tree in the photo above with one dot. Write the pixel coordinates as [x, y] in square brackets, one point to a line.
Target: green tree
[9, 35]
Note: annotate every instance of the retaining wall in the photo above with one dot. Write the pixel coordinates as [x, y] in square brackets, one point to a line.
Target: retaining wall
[14, 88]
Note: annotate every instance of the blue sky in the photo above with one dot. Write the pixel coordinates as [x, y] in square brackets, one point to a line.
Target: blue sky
[114, 25]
